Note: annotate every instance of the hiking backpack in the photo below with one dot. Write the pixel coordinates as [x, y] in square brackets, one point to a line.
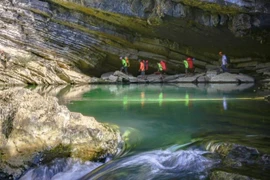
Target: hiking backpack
[127, 61]
[228, 59]
[163, 65]
[145, 64]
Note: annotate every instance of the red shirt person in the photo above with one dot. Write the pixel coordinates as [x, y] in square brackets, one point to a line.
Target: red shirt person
[190, 65]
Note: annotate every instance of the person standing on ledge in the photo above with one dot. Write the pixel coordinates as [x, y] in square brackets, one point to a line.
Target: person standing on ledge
[145, 65]
[161, 68]
[127, 61]
[190, 65]
[124, 65]
[223, 62]
[142, 68]
[186, 67]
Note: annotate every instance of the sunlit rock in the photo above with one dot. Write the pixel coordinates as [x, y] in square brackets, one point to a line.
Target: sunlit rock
[32, 123]
[228, 77]
[190, 78]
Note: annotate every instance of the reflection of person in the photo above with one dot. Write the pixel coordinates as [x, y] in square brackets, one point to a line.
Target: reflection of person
[225, 107]
[160, 98]
[223, 62]
[125, 102]
[142, 98]
[188, 102]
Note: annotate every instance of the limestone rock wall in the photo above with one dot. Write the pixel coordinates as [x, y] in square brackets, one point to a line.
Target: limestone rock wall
[55, 41]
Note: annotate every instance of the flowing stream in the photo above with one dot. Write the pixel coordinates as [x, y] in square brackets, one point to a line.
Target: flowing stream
[166, 128]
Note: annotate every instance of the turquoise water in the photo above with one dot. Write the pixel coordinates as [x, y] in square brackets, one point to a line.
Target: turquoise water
[167, 128]
[162, 115]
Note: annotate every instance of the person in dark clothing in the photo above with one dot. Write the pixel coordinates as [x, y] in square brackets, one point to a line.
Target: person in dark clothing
[223, 62]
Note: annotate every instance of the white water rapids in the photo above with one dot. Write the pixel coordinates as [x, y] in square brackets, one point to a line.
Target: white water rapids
[156, 164]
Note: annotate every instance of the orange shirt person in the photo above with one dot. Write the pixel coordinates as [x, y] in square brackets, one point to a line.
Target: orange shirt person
[142, 68]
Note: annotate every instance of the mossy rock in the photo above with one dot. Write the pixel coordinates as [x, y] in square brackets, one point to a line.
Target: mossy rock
[59, 151]
[221, 175]
[131, 138]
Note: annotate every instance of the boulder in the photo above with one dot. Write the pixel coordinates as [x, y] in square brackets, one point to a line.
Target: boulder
[31, 123]
[209, 76]
[65, 42]
[232, 78]
[239, 157]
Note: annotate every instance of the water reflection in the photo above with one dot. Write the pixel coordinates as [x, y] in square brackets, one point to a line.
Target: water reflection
[160, 99]
[172, 110]
[144, 93]
[64, 93]
[225, 106]
[188, 101]
[160, 115]
[142, 99]
[125, 102]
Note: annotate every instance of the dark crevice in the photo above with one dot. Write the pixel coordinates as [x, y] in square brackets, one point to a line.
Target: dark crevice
[7, 126]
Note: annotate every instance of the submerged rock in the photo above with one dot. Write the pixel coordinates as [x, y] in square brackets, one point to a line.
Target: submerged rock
[31, 123]
[236, 157]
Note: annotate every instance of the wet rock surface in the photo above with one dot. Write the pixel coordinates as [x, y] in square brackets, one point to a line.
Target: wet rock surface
[236, 159]
[35, 128]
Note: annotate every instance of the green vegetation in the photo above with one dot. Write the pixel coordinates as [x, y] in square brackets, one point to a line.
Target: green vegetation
[130, 23]
[56, 152]
[40, 12]
[213, 7]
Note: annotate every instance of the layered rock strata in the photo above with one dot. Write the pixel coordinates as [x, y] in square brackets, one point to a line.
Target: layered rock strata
[55, 41]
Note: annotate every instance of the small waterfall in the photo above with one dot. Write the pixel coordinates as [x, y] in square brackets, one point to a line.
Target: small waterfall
[59, 169]
[165, 164]
[157, 164]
